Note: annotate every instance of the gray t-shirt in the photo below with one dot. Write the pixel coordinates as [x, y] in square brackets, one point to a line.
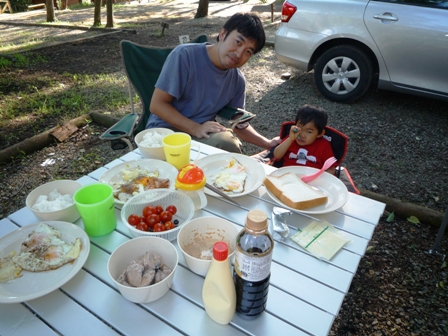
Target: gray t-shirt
[199, 88]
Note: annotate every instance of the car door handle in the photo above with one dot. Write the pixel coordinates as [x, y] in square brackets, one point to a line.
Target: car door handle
[385, 17]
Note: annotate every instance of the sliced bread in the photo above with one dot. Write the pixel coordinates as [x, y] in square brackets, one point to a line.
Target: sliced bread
[293, 192]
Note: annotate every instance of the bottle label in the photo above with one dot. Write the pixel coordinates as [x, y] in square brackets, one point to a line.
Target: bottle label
[252, 268]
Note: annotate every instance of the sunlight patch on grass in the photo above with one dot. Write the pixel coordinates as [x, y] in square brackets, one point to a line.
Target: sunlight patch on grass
[77, 95]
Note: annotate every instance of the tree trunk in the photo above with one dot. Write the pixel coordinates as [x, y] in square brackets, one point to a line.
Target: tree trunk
[50, 11]
[97, 13]
[110, 13]
[202, 9]
[63, 4]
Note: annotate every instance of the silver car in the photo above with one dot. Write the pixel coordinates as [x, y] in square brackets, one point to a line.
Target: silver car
[354, 45]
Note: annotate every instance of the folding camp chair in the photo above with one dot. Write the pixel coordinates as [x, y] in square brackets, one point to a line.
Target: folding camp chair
[143, 65]
[339, 144]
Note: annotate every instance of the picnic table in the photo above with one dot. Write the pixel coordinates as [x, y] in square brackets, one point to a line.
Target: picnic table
[305, 293]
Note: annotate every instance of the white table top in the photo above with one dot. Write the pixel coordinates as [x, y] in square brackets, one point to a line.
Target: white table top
[305, 293]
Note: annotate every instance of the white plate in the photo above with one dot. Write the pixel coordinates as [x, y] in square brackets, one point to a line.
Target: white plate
[213, 164]
[330, 185]
[166, 171]
[32, 285]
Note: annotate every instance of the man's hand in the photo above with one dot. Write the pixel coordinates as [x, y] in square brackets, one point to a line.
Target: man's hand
[208, 127]
[274, 142]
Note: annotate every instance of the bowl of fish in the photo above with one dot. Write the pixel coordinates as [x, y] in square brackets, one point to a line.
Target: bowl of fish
[149, 142]
[157, 213]
[143, 268]
[131, 178]
[197, 237]
[53, 201]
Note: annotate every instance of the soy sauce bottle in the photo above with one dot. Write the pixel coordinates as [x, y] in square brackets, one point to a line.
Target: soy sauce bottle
[252, 267]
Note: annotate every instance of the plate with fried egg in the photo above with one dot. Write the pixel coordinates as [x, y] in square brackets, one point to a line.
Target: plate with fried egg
[234, 174]
[40, 258]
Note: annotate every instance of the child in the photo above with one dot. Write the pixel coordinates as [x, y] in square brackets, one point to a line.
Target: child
[305, 145]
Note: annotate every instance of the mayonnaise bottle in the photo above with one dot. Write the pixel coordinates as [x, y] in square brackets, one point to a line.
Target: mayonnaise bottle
[218, 291]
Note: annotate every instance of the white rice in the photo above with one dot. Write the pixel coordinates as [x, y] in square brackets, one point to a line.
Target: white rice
[53, 202]
[152, 139]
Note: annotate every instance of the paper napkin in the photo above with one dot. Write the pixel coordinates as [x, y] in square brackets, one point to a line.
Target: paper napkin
[321, 239]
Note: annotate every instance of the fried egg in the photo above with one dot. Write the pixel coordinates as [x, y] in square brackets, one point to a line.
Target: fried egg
[8, 269]
[43, 250]
[232, 178]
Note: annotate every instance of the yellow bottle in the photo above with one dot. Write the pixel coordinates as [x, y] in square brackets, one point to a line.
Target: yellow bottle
[218, 291]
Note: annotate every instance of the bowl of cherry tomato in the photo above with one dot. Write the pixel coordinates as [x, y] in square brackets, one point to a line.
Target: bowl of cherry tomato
[157, 213]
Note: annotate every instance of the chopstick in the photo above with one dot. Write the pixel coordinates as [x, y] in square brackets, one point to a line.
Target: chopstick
[221, 193]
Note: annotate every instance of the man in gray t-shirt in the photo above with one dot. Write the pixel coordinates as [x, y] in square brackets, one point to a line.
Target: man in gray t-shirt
[198, 80]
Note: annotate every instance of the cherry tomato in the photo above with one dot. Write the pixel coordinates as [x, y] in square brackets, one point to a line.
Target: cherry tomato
[133, 219]
[159, 227]
[169, 225]
[159, 209]
[142, 226]
[152, 220]
[148, 210]
[166, 216]
[172, 209]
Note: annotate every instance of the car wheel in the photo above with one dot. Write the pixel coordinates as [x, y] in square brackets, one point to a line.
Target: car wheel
[343, 73]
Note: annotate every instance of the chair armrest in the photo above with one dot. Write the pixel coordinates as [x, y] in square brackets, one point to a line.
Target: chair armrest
[228, 113]
[122, 129]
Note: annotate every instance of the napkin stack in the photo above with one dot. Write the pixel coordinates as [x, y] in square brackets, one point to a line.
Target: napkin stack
[321, 239]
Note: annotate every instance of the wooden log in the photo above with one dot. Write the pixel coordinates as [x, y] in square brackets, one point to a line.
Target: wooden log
[104, 119]
[406, 209]
[36, 142]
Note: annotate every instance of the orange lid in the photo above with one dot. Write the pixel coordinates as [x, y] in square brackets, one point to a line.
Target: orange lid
[190, 177]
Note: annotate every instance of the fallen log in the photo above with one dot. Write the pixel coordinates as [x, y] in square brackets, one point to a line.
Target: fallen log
[37, 142]
[405, 209]
[104, 119]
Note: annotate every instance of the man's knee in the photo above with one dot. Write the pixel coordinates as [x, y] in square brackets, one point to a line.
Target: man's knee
[227, 141]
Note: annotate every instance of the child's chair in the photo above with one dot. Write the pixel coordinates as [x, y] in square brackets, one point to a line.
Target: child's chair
[339, 144]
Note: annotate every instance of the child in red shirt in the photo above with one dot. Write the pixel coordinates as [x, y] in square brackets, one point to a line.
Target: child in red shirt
[305, 145]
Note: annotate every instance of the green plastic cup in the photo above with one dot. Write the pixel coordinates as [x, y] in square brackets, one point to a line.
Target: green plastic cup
[95, 204]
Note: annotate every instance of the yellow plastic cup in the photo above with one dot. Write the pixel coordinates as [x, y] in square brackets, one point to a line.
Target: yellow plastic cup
[177, 149]
[95, 204]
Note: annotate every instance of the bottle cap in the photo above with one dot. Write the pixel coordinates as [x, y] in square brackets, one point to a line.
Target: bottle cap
[257, 221]
[220, 251]
[190, 177]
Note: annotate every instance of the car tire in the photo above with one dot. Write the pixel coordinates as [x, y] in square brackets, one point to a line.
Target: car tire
[343, 73]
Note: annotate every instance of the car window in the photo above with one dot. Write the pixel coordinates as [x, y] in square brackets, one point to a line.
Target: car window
[424, 3]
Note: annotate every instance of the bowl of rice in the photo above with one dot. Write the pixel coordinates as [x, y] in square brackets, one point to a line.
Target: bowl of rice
[149, 142]
[53, 201]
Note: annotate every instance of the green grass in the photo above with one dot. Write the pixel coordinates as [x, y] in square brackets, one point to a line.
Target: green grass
[27, 100]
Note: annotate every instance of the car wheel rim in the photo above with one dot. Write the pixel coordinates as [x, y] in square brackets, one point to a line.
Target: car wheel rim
[341, 75]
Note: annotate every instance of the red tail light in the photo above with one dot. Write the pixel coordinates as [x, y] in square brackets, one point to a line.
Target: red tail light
[288, 11]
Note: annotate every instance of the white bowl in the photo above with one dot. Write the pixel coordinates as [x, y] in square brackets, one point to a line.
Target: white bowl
[152, 152]
[114, 175]
[162, 197]
[132, 250]
[64, 187]
[206, 228]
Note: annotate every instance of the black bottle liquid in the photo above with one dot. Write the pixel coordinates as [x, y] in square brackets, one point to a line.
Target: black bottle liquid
[252, 268]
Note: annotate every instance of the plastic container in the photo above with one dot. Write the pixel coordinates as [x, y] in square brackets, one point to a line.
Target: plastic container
[162, 197]
[218, 291]
[252, 267]
[95, 204]
[191, 181]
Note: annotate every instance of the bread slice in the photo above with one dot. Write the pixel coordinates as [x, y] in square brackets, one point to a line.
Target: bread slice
[293, 192]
